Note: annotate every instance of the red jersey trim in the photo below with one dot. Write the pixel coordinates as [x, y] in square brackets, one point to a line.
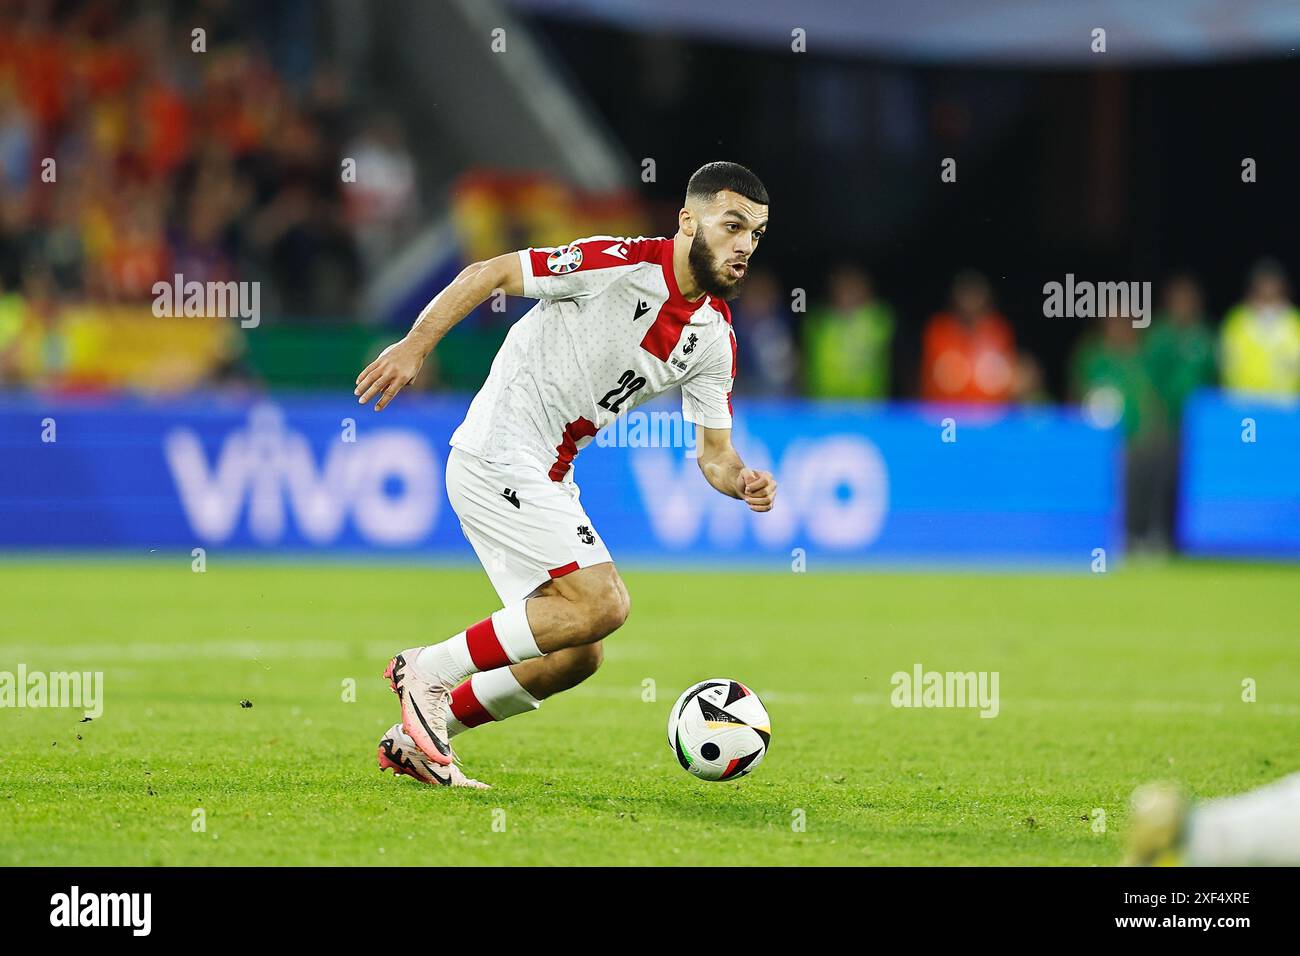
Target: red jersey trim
[674, 315]
[598, 254]
[733, 372]
[567, 449]
[562, 571]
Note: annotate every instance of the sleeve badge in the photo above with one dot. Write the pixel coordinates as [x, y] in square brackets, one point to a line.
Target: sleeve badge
[564, 259]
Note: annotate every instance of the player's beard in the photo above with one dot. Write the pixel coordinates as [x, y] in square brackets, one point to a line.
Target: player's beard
[709, 274]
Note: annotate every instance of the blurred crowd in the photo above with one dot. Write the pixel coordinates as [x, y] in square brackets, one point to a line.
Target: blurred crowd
[842, 348]
[1119, 374]
[127, 155]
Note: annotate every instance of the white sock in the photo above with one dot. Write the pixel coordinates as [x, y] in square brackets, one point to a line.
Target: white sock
[488, 696]
[493, 643]
[1259, 828]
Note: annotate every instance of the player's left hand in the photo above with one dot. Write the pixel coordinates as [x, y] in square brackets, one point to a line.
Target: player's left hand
[757, 489]
[387, 375]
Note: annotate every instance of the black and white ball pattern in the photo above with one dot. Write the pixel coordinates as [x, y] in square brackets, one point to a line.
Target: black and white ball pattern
[719, 729]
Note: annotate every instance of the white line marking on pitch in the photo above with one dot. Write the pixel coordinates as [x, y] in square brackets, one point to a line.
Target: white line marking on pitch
[257, 652]
[798, 698]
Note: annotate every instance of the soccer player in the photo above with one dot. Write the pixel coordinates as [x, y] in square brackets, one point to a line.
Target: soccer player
[1257, 828]
[618, 322]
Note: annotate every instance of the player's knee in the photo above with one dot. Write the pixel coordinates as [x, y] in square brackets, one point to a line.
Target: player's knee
[608, 617]
[620, 605]
[609, 612]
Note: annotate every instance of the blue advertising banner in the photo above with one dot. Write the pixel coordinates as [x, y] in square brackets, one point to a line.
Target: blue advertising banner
[896, 483]
[1240, 493]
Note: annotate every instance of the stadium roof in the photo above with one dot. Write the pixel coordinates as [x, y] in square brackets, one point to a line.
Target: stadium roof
[1043, 32]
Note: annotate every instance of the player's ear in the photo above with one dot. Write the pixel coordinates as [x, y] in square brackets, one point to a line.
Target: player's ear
[686, 222]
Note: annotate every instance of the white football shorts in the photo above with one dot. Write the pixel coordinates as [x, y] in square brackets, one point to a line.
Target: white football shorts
[525, 528]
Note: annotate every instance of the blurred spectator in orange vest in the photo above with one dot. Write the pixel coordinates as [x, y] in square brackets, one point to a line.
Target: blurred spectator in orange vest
[969, 353]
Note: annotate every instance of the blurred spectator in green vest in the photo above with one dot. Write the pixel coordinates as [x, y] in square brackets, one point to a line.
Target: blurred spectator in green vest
[847, 343]
[1260, 338]
[1110, 380]
[12, 312]
[1178, 349]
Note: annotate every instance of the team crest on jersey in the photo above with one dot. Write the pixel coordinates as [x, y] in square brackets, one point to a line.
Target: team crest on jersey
[564, 259]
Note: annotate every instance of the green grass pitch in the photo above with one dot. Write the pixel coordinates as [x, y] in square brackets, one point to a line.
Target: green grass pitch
[1106, 681]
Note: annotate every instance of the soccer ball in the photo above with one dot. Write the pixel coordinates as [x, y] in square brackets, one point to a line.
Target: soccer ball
[719, 729]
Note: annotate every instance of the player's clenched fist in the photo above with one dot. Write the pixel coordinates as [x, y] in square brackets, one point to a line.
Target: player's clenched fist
[757, 489]
[395, 369]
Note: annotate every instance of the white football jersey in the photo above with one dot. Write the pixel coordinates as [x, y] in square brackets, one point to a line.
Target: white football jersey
[611, 330]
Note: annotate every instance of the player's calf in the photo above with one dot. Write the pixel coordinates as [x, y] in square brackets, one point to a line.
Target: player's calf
[571, 612]
[573, 665]
[497, 695]
[425, 679]
[560, 670]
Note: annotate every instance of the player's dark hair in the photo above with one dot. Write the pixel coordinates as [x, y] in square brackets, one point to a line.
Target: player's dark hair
[712, 178]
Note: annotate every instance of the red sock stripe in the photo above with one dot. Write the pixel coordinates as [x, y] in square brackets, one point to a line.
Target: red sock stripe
[484, 648]
[466, 708]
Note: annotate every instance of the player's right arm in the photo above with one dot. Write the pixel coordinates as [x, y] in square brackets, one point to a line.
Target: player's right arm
[398, 364]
